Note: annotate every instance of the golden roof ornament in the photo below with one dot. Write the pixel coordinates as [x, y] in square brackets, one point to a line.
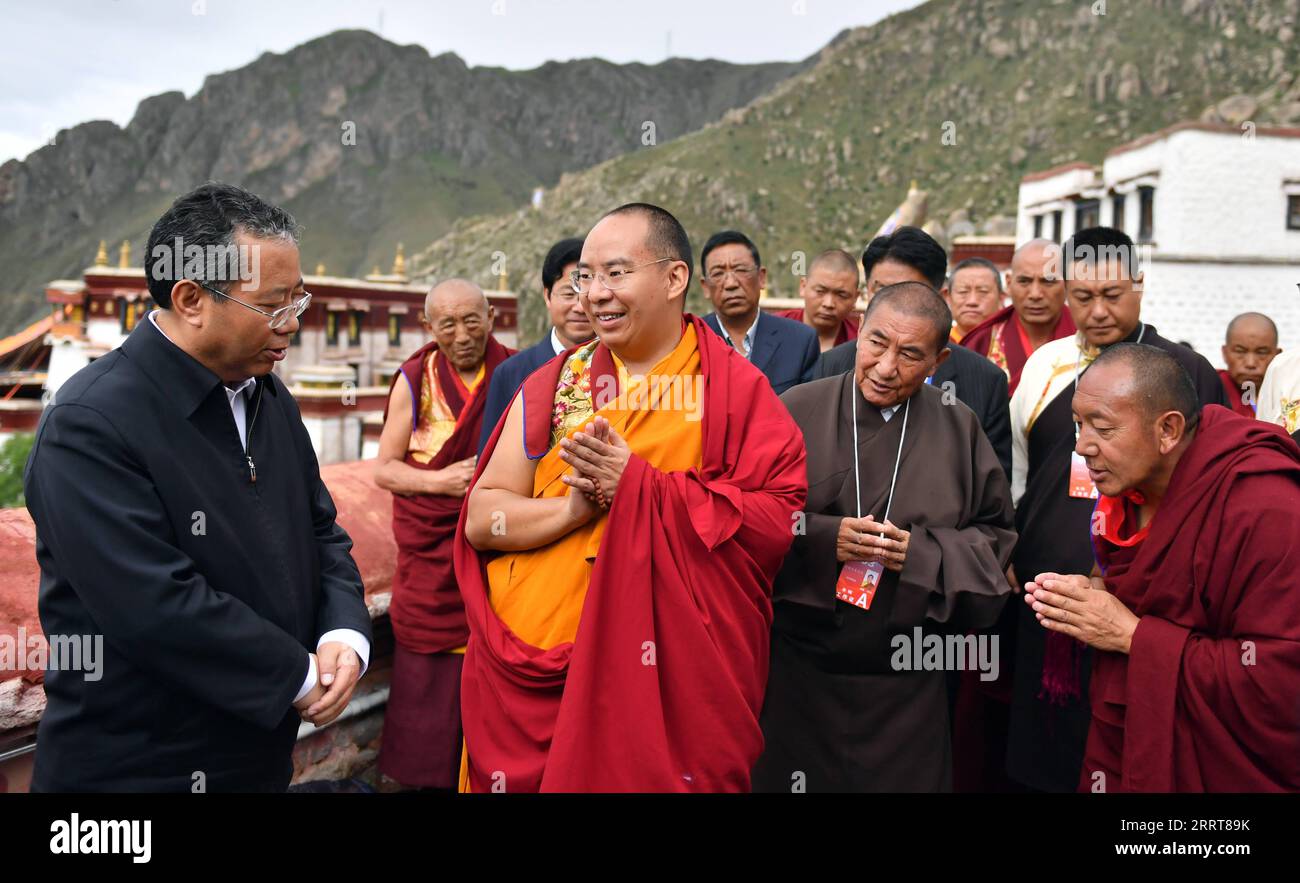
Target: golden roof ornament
[320, 269]
[399, 262]
[124, 255]
[101, 256]
[501, 281]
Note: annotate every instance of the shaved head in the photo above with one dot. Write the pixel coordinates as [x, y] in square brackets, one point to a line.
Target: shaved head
[835, 260]
[454, 292]
[459, 316]
[1158, 383]
[1034, 255]
[918, 300]
[1251, 322]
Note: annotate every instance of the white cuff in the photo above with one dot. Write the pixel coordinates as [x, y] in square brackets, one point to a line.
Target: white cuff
[311, 678]
[353, 639]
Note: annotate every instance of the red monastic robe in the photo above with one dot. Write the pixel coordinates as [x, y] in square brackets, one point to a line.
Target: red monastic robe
[848, 328]
[1003, 341]
[684, 572]
[426, 609]
[1207, 698]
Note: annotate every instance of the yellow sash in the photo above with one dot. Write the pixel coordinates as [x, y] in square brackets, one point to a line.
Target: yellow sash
[539, 593]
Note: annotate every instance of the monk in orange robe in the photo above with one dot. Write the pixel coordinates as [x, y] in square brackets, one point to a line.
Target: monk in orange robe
[618, 547]
[426, 457]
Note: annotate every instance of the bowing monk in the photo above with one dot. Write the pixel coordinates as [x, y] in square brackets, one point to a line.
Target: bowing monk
[1193, 611]
[426, 457]
[618, 547]
[908, 531]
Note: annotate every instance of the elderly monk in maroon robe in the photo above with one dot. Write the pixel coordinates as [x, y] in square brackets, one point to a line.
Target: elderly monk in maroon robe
[1193, 609]
[1037, 313]
[830, 294]
[426, 458]
[1248, 349]
[908, 532]
[618, 548]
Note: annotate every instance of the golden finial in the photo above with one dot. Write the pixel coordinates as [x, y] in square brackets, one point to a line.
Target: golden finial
[399, 262]
[320, 269]
[124, 255]
[374, 271]
[101, 256]
[501, 281]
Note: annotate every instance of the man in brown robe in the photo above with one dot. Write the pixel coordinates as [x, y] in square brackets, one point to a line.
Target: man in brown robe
[852, 702]
[426, 458]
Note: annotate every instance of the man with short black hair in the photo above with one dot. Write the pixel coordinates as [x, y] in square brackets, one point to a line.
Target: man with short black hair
[181, 515]
[569, 327]
[733, 276]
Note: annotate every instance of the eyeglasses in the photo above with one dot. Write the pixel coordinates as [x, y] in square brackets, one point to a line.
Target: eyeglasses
[279, 318]
[742, 273]
[613, 280]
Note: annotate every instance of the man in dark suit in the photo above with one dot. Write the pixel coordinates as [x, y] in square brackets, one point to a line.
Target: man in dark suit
[569, 327]
[912, 255]
[733, 276]
[181, 518]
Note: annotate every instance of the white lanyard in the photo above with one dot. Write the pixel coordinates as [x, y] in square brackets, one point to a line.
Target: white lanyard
[857, 481]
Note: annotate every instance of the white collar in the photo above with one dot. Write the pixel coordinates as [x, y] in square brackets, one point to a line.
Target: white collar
[555, 342]
[750, 335]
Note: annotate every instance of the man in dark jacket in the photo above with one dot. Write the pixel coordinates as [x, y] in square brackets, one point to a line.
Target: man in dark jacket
[909, 254]
[180, 516]
[569, 327]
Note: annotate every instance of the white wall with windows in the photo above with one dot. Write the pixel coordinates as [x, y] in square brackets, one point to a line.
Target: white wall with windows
[1215, 211]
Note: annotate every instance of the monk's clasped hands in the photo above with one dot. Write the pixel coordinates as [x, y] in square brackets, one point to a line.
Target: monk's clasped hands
[598, 456]
[1082, 608]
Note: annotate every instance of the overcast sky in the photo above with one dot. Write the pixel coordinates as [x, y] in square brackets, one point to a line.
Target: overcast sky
[70, 61]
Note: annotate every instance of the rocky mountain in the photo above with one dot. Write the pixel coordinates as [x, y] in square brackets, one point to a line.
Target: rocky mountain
[963, 96]
[368, 142]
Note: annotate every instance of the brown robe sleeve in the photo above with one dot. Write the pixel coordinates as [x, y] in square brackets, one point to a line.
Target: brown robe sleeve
[955, 576]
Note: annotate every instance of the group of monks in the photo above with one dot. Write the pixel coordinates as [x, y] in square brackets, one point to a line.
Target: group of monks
[634, 558]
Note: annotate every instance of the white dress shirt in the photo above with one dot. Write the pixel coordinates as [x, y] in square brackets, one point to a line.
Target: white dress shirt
[888, 412]
[238, 398]
[555, 342]
[748, 342]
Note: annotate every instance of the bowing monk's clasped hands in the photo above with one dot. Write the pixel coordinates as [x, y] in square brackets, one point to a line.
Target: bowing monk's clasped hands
[860, 539]
[598, 456]
[1082, 608]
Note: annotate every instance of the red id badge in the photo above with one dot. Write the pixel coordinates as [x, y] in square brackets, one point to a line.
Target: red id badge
[858, 582]
[1081, 486]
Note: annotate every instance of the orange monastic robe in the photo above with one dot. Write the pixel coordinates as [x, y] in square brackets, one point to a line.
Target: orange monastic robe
[538, 593]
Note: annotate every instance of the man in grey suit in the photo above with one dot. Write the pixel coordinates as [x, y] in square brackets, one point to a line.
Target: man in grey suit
[732, 276]
[909, 254]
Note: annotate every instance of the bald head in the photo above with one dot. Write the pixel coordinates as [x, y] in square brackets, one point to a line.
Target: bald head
[1036, 284]
[1137, 412]
[1248, 348]
[453, 294]
[834, 260]
[1156, 382]
[916, 300]
[459, 316]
